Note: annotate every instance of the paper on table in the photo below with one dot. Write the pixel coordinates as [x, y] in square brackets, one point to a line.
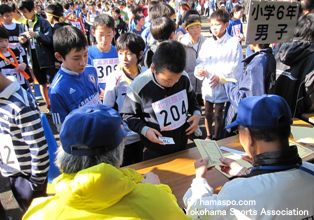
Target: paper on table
[303, 151]
[233, 151]
[209, 149]
[303, 134]
[236, 157]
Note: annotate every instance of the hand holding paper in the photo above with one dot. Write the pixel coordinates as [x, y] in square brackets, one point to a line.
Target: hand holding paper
[211, 150]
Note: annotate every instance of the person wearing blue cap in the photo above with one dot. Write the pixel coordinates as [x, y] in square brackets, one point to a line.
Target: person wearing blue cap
[92, 184]
[268, 190]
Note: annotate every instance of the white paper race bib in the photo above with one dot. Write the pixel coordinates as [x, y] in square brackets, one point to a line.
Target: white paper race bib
[166, 140]
[16, 74]
[8, 154]
[76, 24]
[105, 67]
[17, 46]
[237, 30]
[171, 112]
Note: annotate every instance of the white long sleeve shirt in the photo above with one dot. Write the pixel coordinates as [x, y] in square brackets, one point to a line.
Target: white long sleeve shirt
[115, 92]
[280, 195]
[222, 57]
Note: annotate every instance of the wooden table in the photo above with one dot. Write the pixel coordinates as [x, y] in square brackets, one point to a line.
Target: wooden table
[177, 170]
[302, 123]
[309, 117]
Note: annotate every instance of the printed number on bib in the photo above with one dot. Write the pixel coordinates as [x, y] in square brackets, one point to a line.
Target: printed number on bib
[16, 74]
[7, 153]
[171, 112]
[105, 67]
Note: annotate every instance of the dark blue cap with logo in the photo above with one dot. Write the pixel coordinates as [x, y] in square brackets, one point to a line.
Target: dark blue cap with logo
[96, 127]
[267, 111]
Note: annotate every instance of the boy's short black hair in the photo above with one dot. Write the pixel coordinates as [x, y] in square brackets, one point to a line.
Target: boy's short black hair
[55, 10]
[133, 42]
[137, 9]
[74, 39]
[26, 4]
[13, 6]
[189, 13]
[138, 17]
[160, 9]
[116, 10]
[169, 55]
[167, 10]
[66, 6]
[82, 5]
[4, 8]
[220, 15]
[104, 20]
[4, 33]
[236, 9]
[162, 28]
[304, 29]
[155, 11]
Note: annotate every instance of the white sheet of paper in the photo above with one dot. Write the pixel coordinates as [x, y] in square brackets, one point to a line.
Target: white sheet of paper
[303, 134]
[209, 149]
[303, 151]
[166, 140]
[233, 151]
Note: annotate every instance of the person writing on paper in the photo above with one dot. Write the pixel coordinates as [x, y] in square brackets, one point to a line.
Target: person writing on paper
[278, 171]
[92, 184]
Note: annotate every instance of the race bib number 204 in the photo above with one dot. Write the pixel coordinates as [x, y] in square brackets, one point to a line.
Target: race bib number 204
[171, 112]
[105, 67]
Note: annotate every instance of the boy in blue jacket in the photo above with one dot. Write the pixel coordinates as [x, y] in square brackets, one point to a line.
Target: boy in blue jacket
[76, 83]
[38, 40]
[257, 79]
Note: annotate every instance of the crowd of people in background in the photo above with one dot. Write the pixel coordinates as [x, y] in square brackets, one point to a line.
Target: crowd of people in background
[145, 61]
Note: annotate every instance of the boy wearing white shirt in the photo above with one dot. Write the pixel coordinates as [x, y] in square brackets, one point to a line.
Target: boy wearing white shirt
[130, 49]
[220, 57]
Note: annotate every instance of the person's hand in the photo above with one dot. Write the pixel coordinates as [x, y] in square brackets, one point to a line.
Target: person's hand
[152, 135]
[202, 72]
[102, 94]
[214, 80]
[195, 119]
[22, 40]
[201, 167]
[230, 166]
[151, 178]
[30, 34]
[21, 67]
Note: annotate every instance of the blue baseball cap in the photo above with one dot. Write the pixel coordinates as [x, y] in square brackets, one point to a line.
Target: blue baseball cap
[267, 111]
[97, 127]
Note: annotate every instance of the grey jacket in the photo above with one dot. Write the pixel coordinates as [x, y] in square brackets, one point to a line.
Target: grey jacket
[191, 55]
